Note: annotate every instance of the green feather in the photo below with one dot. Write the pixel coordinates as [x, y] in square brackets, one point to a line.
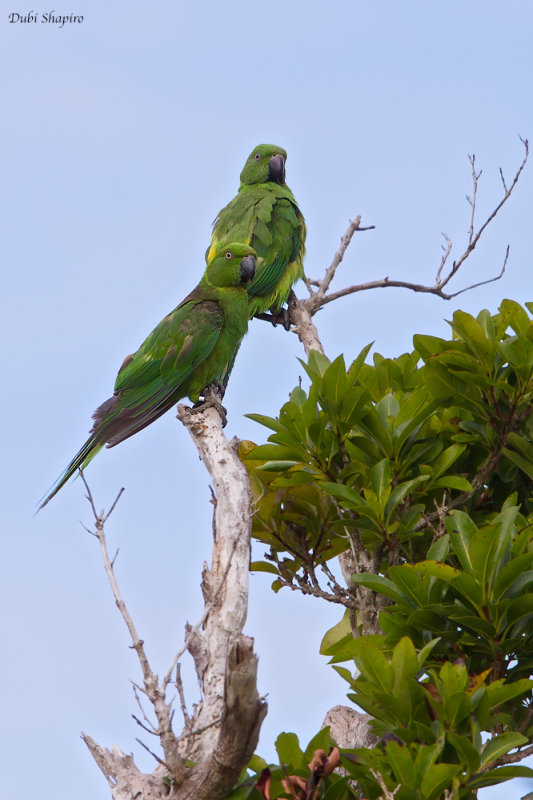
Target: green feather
[191, 347]
[264, 214]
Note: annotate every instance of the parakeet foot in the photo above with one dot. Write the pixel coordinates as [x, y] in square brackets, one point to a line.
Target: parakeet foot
[281, 318]
[213, 394]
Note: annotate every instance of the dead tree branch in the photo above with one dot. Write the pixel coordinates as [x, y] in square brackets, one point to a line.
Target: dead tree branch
[302, 311]
[221, 735]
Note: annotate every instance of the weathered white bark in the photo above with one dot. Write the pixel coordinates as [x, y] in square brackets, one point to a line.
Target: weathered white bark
[349, 728]
[222, 733]
[220, 651]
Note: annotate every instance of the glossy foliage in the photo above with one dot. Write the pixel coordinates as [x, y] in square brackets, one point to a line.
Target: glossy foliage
[425, 463]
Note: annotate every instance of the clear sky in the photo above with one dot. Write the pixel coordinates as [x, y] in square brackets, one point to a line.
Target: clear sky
[122, 137]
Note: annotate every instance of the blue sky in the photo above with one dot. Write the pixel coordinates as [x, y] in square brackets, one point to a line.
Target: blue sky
[122, 138]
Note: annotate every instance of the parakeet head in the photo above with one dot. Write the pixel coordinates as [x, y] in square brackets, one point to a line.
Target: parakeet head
[231, 264]
[265, 163]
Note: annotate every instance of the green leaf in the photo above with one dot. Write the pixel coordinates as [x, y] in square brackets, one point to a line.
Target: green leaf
[404, 661]
[474, 337]
[336, 636]
[372, 662]
[424, 653]
[465, 750]
[458, 706]
[277, 452]
[439, 549]
[400, 491]
[454, 678]
[499, 692]
[381, 478]
[452, 482]
[518, 319]
[499, 775]
[317, 363]
[268, 422]
[402, 764]
[321, 741]
[461, 530]
[355, 367]
[288, 749]
[387, 407]
[428, 346]
[523, 463]
[486, 548]
[525, 448]
[500, 746]
[437, 570]
[519, 608]
[342, 493]
[277, 466]
[378, 584]
[518, 568]
[446, 459]
[263, 566]
[437, 778]
[427, 755]
[257, 764]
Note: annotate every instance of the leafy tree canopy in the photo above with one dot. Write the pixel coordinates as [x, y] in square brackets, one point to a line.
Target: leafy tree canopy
[418, 472]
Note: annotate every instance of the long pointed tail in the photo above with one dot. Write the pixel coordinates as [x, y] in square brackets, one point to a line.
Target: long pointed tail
[80, 461]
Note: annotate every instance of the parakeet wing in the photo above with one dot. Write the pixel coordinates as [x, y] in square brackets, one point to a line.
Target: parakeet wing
[149, 382]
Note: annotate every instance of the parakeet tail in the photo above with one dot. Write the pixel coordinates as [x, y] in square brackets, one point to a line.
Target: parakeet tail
[80, 461]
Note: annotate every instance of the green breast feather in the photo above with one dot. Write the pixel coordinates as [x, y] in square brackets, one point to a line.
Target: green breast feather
[265, 215]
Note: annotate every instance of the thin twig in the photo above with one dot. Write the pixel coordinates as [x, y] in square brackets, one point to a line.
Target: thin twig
[477, 236]
[144, 727]
[321, 297]
[387, 794]
[472, 200]
[138, 699]
[159, 760]
[355, 225]
[447, 250]
[181, 695]
[153, 691]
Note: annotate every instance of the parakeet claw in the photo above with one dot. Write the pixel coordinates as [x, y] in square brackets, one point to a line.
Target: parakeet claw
[281, 318]
[212, 395]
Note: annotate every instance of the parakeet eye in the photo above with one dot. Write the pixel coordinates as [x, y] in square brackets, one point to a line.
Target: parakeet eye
[229, 255]
[257, 156]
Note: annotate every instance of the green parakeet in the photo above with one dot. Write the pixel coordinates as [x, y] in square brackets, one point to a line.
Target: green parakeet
[192, 347]
[264, 214]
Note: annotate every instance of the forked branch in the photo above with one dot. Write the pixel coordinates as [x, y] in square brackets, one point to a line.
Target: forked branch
[301, 311]
[221, 735]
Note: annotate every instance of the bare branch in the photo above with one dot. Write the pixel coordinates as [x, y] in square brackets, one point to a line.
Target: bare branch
[476, 237]
[472, 200]
[159, 760]
[153, 691]
[223, 731]
[387, 795]
[143, 726]
[355, 225]
[447, 250]
[181, 695]
[301, 311]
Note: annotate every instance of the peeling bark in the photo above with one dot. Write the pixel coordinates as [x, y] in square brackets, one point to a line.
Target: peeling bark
[349, 728]
[223, 731]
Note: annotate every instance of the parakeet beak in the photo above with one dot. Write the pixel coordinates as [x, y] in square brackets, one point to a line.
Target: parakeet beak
[248, 268]
[276, 170]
